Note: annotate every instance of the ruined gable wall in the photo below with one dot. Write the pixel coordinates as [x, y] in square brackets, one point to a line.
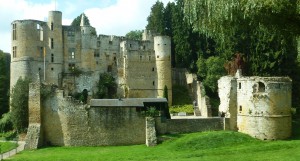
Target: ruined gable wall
[227, 89]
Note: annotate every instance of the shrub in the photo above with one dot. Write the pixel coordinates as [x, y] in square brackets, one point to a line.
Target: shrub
[19, 104]
[6, 123]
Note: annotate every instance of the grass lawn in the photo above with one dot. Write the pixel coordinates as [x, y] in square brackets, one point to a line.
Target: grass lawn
[218, 145]
[7, 146]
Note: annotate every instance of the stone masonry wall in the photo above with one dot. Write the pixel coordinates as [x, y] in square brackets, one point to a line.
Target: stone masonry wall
[34, 133]
[188, 125]
[227, 87]
[70, 123]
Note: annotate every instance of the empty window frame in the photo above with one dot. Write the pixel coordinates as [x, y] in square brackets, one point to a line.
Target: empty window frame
[71, 67]
[14, 32]
[261, 87]
[51, 27]
[51, 43]
[41, 34]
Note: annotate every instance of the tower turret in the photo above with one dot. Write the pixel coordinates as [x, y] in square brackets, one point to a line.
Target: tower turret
[54, 49]
[162, 48]
[88, 45]
[27, 49]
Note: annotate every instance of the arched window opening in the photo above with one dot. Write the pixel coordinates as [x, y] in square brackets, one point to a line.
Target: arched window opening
[261, 87]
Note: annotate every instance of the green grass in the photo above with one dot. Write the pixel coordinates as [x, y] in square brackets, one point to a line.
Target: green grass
[182, 108]
[219, 145]
[7, 146]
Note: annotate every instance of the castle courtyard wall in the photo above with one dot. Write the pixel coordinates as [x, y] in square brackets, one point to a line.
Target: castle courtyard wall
[70, 123]
[169, 126]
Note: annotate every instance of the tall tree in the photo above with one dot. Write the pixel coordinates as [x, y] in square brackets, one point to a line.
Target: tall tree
[4, 82]
[19, 104]
[76, 22]
[156, 21]
[263, 31]
[182, 35]
[168, 14]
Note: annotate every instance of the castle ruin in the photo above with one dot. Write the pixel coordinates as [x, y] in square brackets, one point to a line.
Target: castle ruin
[141, 68]
[258, 106]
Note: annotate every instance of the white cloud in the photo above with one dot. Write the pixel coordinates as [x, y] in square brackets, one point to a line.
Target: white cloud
[122, 17]
[15, 10]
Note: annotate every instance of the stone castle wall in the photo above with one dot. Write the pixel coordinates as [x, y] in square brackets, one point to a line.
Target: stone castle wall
[70, 123]
[188, 125]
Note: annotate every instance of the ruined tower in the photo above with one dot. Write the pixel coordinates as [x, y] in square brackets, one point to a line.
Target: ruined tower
[258, 106]
[264, 105]
[162, 48]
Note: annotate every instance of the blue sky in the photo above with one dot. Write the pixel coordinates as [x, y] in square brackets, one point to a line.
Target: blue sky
[110, 17]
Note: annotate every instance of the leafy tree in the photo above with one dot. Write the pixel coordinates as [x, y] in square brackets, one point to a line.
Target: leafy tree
[135, 35]
[210, 71]
[19, 104]
[156, 21]
[263, 31]
[106, 86]
[5, 81]
[77, 20]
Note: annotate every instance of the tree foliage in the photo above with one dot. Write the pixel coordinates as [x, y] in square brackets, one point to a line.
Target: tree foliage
[106, 86]
[263, 31]
[19, 104]
[156, 21]
[210, 71]
[76, 22]
[4, 82]
[135, 35]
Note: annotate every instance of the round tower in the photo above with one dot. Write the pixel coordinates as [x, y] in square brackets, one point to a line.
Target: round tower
[162, 48]
[26, 49]
[263, 107]
[54, 47]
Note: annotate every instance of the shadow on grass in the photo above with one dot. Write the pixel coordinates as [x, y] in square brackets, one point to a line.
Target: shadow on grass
[165, 137]
[295, 128]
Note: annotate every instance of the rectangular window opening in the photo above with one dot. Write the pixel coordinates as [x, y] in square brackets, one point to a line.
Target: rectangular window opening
[14, 31]
[52, 58]
[14, 51]
[51, 26]
[52, 43]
